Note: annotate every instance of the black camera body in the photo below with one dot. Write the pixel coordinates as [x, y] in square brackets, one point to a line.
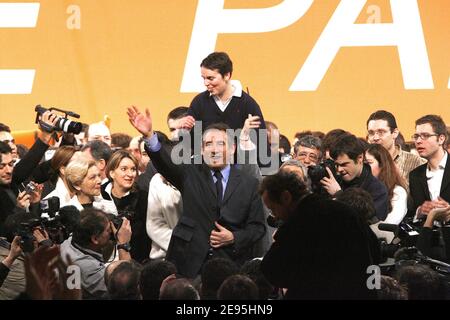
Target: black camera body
[25, 231]
[50, 206]
[117, 219]
[318, 172]
[63, 124]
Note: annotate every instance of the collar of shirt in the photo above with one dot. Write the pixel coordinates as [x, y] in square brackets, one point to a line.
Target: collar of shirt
[441, 165]
[225, 174]
[237, 92]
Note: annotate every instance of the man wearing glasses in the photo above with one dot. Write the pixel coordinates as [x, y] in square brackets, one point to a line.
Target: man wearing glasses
[382, 129]
[430, 183]
[307, 150]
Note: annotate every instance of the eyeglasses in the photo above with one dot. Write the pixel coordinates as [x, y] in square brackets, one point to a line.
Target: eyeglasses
[379, 133]
[423, 136]
[9, 141]
[311, 156]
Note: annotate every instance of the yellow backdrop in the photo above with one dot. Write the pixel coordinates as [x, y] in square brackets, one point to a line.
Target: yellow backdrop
[97, 57]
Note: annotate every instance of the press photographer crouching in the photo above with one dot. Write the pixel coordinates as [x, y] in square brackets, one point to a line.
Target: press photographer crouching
[85, 249]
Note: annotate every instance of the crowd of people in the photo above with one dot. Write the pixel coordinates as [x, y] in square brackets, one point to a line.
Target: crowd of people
[237, 212]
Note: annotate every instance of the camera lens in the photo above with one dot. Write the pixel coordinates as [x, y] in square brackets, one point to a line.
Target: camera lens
[69, 126]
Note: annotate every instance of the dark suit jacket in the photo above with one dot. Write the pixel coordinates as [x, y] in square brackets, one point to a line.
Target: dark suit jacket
[418, 186]
[21, 172]
[322, 251]
[241, 213]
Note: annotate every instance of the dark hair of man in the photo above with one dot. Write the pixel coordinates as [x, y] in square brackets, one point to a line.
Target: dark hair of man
[123, 283]
[4, 127]
[218, 61]
[152, 275]
[436, 122]
[11, 225]
[179, 289]
[308, 141]
[285, 144]
[302, 134]
[347, 144]
[252, 269]
[390, 289]
[389, 174]
[282, 181]
[330, 139]
[120, 140]
[383, 115]
[92, 223]
[220, 126]
[99, 150]
[238, 287]
[214, 272]
[423, 283]
[177, 113]
[4, 149]
[359, 200]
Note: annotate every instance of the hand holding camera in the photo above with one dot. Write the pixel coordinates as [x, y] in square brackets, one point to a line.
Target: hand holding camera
[123, 234]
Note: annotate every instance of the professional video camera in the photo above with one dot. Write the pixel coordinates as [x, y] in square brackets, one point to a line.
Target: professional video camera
[402, 250]
[64, 124]
[318, 172]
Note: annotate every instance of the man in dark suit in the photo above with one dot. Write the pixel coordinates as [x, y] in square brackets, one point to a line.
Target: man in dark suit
[321, 251]
[222, 211]
[430, 183]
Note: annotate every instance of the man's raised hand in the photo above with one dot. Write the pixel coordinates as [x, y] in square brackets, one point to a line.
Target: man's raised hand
[141, 122]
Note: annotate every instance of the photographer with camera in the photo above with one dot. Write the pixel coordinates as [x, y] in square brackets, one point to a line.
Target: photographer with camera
[12, 176]
[348, 155]
[85, 249]
[321, 251]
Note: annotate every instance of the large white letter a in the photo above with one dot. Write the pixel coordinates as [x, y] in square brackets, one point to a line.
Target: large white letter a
[405, 32]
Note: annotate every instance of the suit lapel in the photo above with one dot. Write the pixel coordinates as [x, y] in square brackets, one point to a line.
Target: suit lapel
[233, 181]
[423, 182]
[446, 178]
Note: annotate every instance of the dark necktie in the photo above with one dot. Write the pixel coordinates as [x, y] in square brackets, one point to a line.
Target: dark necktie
[219, 187]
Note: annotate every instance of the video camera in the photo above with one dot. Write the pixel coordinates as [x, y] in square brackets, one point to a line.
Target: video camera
[63, 124]
[402, 250]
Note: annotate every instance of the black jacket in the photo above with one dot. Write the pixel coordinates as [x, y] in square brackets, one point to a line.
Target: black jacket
[375, 187]
[322, 251]
[134, 207]
[418, 186]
